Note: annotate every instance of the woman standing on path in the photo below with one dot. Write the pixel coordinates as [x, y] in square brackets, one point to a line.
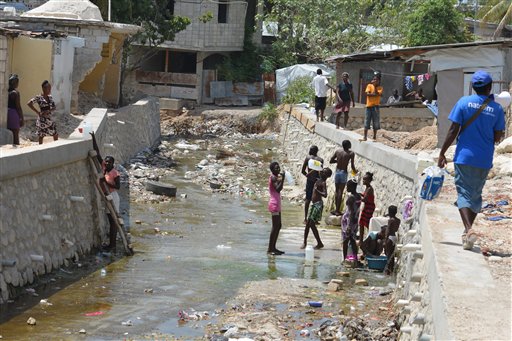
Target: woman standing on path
[44, 124]
[15, 118]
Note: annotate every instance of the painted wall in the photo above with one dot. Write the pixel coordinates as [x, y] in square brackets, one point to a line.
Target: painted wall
[4, 78]
[103, 79]
[22, 51]
[63, 63]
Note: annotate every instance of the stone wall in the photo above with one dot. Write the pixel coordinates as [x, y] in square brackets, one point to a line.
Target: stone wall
[41, 216]
[394, 171]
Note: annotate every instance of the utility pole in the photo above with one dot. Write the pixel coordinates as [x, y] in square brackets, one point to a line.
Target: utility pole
[109, 9]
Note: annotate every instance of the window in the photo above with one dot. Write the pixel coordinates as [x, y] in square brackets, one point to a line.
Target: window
[170, 6]
[223, 12]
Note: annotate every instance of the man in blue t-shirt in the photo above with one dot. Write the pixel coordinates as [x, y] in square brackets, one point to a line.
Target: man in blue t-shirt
[475, 149]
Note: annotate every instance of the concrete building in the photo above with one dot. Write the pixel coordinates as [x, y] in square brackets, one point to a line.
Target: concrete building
[184, 68]
[67, 43]
[449, 67]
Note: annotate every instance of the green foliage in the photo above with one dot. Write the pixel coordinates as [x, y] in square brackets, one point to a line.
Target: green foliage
[299, 91]
[435, 22]
[244, 66]
[268, 113]
[497, 11]
[311, 30]
[208, 16]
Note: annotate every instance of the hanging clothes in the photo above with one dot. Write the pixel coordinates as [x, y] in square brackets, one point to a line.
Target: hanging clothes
[420, 79]
[427, 76]
[408, 83]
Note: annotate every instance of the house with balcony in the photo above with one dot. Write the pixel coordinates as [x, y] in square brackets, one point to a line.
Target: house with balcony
[184, 68]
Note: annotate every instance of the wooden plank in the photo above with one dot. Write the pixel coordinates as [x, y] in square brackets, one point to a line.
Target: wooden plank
[108, 202]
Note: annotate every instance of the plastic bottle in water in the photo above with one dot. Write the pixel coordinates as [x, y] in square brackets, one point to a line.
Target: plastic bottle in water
[310, 254]
[103, 272]
[289, 178]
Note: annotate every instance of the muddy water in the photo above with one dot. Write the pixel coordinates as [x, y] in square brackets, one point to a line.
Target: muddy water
[184, 265]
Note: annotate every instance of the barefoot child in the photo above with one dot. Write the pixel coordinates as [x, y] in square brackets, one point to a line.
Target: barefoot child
[349, 220]
[316, 208]
[390, 239]
[369, 205]
[342, 157]
[275, 185]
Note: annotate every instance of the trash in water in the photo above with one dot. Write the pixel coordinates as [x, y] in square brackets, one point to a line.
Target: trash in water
[127, 323]
[103, 272]
[45, 302]
[315, 304]
[498, 218]
[148, 291]
[304, 332]
[502, 203]
[95, 313]
[222, 246]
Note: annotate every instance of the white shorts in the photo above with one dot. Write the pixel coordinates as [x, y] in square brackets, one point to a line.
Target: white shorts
[115, 200]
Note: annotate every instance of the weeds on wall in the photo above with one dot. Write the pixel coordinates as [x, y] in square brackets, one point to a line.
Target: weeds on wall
[268, 113]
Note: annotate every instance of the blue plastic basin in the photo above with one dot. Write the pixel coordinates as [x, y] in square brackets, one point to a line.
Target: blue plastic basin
[377, 263]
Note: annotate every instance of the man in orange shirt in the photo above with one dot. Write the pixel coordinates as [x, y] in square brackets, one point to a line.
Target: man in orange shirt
[373, 94]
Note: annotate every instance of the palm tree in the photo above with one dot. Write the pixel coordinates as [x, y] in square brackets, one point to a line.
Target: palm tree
[497, 11]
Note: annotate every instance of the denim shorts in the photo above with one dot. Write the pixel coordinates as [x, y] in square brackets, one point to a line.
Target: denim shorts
[469, 182]
[340, 177]
[372, 115]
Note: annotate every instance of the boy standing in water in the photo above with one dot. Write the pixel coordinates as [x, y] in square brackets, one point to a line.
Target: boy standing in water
[275, 185]
[342, 157]
[349, 220]
[316, 208]
[311, 177]
[390, 239]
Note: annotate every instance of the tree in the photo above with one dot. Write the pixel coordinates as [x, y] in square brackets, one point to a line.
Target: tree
[311, 30]
[435, 22]
[497, 11]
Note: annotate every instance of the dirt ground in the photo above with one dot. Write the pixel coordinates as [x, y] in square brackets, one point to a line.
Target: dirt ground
[422, 139]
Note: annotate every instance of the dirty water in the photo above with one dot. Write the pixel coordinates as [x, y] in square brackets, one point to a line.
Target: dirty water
[208, 246]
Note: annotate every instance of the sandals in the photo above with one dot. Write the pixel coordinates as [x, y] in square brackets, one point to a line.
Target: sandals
[469, 239]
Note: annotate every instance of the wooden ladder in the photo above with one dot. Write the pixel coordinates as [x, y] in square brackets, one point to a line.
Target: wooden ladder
[107, 199]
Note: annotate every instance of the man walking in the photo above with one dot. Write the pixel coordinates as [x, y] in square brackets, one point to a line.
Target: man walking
[479, 123]
[372, 115]
[345, 96]
[321, 85]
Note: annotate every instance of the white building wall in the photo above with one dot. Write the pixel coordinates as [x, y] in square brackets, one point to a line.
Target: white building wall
[62, 74]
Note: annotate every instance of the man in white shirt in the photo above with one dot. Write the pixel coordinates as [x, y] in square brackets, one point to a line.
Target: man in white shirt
[321, 85]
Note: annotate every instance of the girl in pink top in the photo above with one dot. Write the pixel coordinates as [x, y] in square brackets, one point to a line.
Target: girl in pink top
[275, 185]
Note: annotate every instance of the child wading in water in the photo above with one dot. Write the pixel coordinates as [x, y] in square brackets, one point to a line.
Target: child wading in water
[342, 158]
[316, 208]
[275, 185]
[390, 239]
[369, 205]
[349, 219]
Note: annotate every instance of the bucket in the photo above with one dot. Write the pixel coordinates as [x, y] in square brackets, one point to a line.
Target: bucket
[377, 263]
[310, 254]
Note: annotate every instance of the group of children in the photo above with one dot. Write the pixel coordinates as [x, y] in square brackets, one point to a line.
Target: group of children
[352, 219]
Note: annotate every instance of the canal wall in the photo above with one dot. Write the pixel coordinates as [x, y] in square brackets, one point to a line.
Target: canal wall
[443, 292]
[394, 171]
[51, 211]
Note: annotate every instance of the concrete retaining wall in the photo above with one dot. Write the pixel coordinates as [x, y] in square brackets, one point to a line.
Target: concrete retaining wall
[39, 217]
[394, 171]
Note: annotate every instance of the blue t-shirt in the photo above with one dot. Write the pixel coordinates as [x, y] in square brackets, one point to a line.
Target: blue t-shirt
[475, 146]
[344, 91]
